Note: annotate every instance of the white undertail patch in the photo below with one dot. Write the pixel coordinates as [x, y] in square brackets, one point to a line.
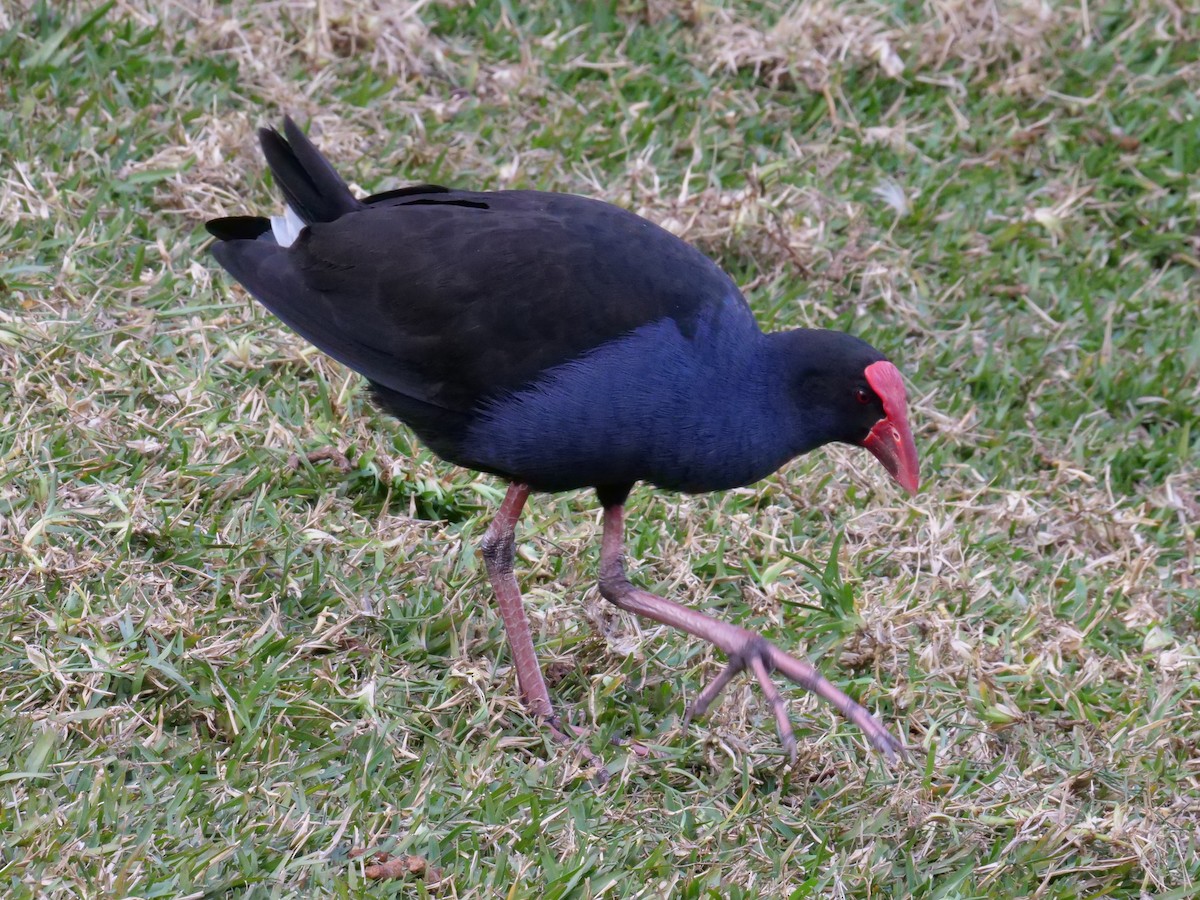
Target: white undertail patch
[287, 227]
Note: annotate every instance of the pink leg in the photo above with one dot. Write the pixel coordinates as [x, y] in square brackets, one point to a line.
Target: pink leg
[499, 552]
[745, 649]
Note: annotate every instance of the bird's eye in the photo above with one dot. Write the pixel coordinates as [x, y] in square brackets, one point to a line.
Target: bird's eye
[862, 396]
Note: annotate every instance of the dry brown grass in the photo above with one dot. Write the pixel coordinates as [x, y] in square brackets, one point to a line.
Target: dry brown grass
[813, 43]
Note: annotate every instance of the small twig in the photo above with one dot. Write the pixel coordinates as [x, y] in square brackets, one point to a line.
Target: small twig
[330, 454]
[384, 865]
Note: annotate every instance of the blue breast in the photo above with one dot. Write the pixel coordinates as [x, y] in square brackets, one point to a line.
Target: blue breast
[694, 413]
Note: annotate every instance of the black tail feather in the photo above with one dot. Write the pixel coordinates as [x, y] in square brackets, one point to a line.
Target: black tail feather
[312, 187]
[238, 228]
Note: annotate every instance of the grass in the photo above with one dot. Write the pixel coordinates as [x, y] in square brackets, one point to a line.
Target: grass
[221, 674]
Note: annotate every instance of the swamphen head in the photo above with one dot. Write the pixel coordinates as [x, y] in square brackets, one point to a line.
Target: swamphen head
[848, 392]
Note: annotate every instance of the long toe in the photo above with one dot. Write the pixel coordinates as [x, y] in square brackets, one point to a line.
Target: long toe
[699, 707]
[742, 647]
[576, 739]
[783, 722]
[883, 741]
[806, 675]
[763, 658]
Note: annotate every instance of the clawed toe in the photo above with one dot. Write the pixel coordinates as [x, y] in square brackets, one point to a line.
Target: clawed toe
[567, 735]
[699, 708]
[783, 722]
[763, 658]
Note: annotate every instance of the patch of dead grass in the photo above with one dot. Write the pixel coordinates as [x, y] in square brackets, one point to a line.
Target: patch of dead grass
[806, 44]
[803, 47]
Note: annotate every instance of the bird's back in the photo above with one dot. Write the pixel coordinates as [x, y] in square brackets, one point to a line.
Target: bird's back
[454, 297]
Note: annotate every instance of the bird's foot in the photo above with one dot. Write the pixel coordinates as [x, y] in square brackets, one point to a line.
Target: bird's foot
[637, 748]
[576, 738]
[762, 658]
[569, 735]
[745, 649]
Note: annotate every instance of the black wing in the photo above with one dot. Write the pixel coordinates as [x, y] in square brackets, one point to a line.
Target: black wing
[450, 303]
[451, 297]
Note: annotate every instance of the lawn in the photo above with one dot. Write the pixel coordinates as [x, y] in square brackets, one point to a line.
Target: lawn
[229, 671]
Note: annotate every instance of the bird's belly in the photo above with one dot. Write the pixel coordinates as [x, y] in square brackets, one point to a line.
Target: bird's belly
[565, 454]
[647, 408]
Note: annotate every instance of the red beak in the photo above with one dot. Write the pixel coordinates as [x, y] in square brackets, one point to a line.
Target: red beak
[891, 440]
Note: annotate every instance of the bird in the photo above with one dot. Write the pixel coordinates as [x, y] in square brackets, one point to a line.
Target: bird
[560, 342]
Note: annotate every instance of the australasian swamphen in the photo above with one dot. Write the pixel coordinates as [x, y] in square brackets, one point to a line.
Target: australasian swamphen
[561, 342]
